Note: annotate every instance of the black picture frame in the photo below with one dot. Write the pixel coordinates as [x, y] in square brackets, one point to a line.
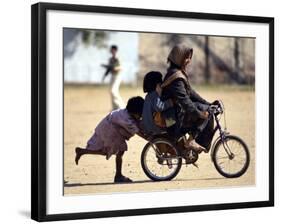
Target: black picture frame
[39, 108]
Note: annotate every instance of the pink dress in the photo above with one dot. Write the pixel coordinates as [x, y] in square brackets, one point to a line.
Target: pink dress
[112, 132]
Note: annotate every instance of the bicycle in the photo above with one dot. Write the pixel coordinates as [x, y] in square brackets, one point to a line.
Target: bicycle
[162, 159]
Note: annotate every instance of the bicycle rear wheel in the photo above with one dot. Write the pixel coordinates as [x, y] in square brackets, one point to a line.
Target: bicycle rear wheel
[160, 160]
[231, 157]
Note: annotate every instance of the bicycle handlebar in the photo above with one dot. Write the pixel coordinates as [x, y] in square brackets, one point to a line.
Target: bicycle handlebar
[216, 108]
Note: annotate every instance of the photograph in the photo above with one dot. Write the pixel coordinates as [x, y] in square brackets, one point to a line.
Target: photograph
[146, 112]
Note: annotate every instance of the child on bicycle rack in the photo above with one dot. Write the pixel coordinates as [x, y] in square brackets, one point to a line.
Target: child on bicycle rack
[112, 133]
[153, 122]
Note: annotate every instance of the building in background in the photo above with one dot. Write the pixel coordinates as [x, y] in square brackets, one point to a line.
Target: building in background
[86, 50]
[216, 60]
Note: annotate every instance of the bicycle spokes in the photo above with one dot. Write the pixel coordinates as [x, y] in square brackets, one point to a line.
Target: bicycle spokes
[160, 160]
[231, 156]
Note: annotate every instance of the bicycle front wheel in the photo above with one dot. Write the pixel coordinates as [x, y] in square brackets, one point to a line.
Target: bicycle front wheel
[231, 157]
[160, 160]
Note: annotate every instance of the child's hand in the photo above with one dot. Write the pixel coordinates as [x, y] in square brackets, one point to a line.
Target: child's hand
[158, 89]
[204, 114]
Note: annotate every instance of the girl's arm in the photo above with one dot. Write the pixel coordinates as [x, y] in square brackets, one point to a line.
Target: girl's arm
[123, 120]
[142, 135]
[179, 92]
[131, 128]
[194, 96]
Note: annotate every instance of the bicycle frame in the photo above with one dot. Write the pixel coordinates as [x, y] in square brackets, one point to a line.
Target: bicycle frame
[175, 159]
[222, 137]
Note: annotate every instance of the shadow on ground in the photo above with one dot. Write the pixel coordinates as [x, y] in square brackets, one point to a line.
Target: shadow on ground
[66, 184]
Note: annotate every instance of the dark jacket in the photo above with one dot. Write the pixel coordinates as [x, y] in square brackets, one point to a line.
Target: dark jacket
[189, 106]
[184, 97]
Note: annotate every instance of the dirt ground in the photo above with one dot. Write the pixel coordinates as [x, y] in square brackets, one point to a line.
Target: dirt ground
[85, 106]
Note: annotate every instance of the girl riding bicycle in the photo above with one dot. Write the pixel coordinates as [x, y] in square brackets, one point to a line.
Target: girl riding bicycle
[191, 108]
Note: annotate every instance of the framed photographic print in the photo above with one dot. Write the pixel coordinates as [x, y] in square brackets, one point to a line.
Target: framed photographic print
[140, 111]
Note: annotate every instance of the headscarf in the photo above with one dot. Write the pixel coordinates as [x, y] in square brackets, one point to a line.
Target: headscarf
[179, 53]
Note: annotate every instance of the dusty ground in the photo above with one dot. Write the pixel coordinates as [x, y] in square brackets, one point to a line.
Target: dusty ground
[85, 106]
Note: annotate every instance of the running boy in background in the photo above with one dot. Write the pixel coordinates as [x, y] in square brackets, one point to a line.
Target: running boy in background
[114, 67]
[112, 133]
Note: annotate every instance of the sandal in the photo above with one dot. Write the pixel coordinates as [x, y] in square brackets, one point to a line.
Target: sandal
[195, 146]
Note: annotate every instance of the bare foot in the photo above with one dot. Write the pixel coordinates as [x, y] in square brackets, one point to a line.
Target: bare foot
[195, 146]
